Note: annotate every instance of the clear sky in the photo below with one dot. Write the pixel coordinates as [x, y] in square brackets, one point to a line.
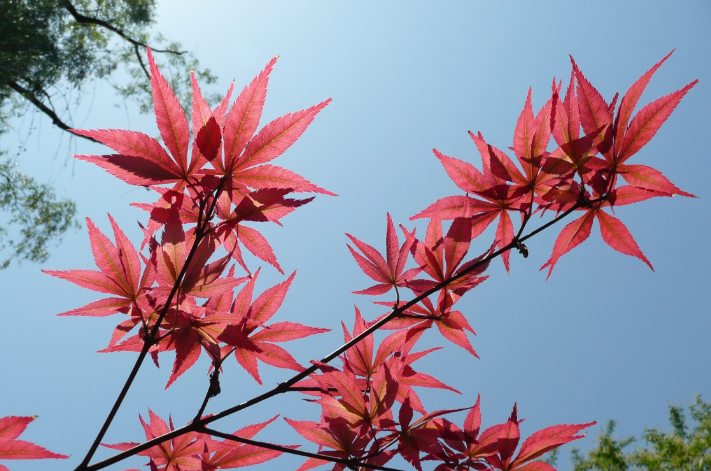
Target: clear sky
[604, 338]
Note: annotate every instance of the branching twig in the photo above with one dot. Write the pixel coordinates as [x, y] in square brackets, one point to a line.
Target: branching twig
[214, 387]
[96, 21]
[148, 342]
[29, 96]
[140, 61]
[286, 386]
[79, 18]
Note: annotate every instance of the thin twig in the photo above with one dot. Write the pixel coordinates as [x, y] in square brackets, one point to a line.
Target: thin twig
[56, 120]
[214, 387]
[352, 463]
[314, 388]
[140, 61]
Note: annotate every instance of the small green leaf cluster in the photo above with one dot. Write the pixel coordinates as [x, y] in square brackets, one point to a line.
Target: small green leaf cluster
[34, 218]
[687, 447]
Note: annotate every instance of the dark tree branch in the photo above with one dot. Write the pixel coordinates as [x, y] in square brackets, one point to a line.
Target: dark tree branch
[314, 388]
[214, 387]
[416, 316]
[140, 61]
[79, 18]
[96, 21]
[29, 96]
[353, 464]
[105, 24]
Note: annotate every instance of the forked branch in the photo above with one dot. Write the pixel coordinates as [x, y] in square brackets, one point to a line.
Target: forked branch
[198, 425]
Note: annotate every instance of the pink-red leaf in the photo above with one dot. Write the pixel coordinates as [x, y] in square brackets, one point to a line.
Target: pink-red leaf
[628, 194]
[650, 179]
[258, 245]
[456, 243]
[504, 236]
[647, 122]
[276, 356]
[594, 111]
[277, 136]
[100, 308]
[463, 174]
[90, 279]
[171, 120]
[523, 135]
[631, 98]
[132, 170]
[572, 235]
[455, 334]
[616, 235]
[271, 176]
[313, 432]
[12, 449]
[547, 439]
[285, 331]
[243, 118]
[134, 144]
[267, 304]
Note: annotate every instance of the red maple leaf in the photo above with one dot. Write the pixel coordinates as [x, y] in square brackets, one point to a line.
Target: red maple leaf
[420, 436]
[229, 454]
[500, 198]
[334, 433]
[245, 331]
[388, 273]
[177, 454]
[13, 449]
[534, 446]
[119, 274]
[613, 231]
[451, 324]
[441, 257]
[623, 137]
[141, 159]
[469, 445]
[223, 138]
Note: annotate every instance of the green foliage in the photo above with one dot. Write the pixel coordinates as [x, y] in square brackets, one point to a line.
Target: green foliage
[34, 214]
[686, 448]
[551, 457]
[50, 46]
[47, 49]
[606, 455]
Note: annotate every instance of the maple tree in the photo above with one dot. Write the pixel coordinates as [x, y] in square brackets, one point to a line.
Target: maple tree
[177, 290]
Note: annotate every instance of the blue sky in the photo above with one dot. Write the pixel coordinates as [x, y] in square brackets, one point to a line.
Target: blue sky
[604, 338]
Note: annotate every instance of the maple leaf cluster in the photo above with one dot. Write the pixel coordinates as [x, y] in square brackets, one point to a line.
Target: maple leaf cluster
[179, 292]
[359, 427]
[581, 174]
[223, 186]
[180, 295]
